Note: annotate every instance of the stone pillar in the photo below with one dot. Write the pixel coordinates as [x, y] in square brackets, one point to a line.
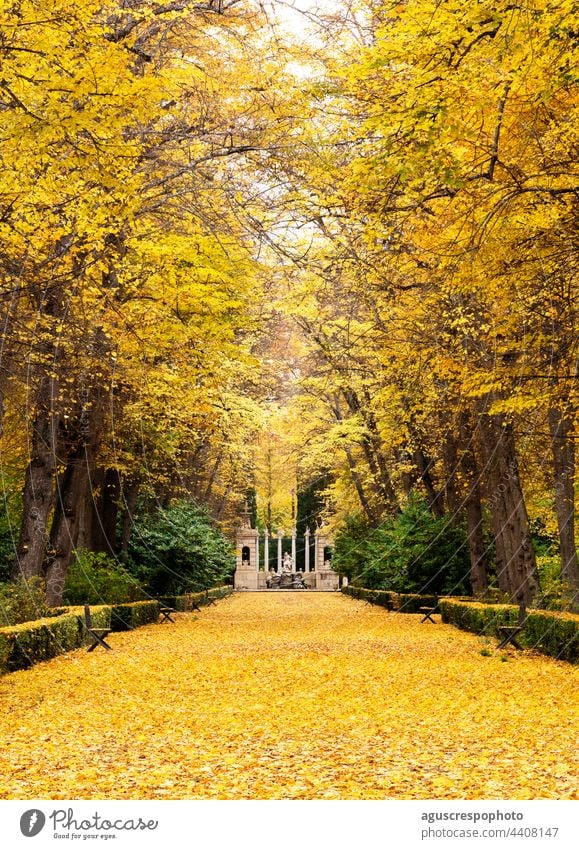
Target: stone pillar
[266, 550]
[294, 561]
[307, 563]
[326, 578]
[316, 548]
[321, 543]
[279, 539]
[247, 544]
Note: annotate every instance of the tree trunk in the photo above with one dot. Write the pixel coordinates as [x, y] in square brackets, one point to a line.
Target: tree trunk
[563, 450]
[424, 466]
[408, 477]
[386, 486]
[3, 388]
[516, 565]
[212, 476]
[86, 514]
[71, 488]
[130, 495]
[104, 537]
[476, 546]
[7, 354]
[79, 441]
[372, 448]
[373, 517]
[38, 493]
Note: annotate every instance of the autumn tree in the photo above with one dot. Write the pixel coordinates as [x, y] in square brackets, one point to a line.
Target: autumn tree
[442, 188]
[126, 270]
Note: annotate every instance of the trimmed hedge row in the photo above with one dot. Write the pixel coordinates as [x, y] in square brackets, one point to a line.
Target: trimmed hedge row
[402, 602]
[125, 617]
[184, 603]
[550, 632]
[21, 646]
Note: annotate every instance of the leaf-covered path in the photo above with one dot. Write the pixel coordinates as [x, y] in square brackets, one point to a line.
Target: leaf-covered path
[289, 696]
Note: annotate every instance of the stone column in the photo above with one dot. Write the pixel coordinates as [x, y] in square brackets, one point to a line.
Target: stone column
[307, 563]
[316, 545]
[247, 539]
[279, 539]
[321, 542]
[266, 550]
[294, 561]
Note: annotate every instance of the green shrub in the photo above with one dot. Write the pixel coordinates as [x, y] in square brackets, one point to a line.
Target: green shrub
[555, 594]
[413, 552]
[477, 617]
[10, 516]
[555, 634]
[6, 555]
[96, 578]
[178, 550]
[350, 547]
[23, 601]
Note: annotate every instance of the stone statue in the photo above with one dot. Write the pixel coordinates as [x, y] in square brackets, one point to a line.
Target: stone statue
[287, 565]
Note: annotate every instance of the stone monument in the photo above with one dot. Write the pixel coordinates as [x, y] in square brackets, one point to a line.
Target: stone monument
[247, 555]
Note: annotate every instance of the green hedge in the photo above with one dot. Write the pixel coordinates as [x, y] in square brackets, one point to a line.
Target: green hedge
[402, 602]
[553, 633]
[125, 617]
[184, 603]
[22, 646]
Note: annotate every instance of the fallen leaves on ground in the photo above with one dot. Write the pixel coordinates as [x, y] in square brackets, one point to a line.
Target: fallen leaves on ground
[290, 696]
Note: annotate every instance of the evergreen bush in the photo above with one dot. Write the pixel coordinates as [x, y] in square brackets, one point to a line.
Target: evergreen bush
[413, 552]
[22, 601]
[96, 578]
[178, 549]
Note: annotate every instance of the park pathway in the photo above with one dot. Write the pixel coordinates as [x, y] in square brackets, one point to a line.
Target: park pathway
[301, 696]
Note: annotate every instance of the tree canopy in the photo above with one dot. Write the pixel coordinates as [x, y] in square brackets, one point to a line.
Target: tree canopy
[239, 254]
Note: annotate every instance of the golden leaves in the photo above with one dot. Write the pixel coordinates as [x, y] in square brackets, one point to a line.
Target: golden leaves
[289, 696]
